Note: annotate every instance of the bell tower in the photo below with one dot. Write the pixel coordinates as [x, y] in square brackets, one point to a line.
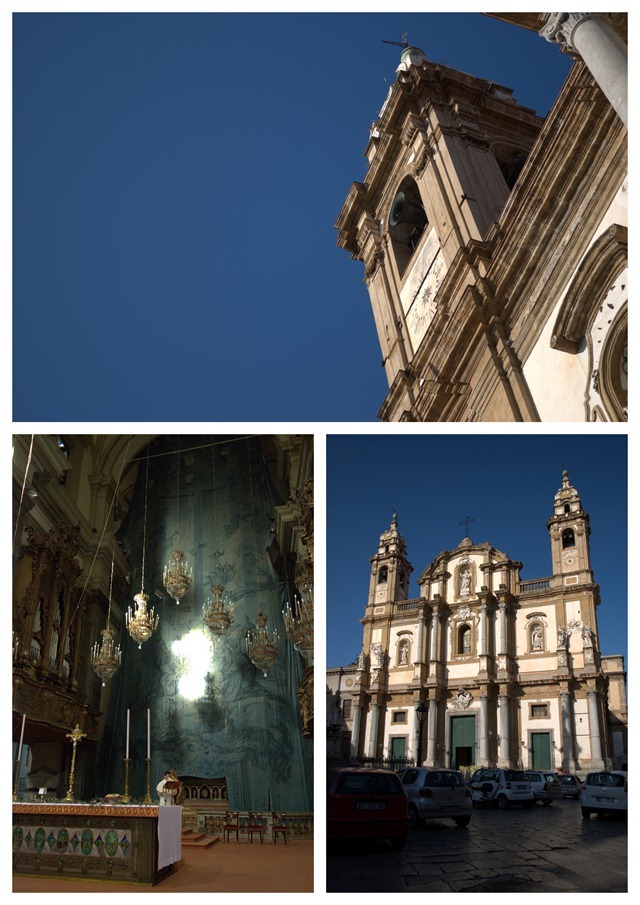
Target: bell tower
[569, 530]
[443, 155]
[390, 568]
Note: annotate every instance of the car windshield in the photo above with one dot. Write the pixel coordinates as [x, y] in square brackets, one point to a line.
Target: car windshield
[605, 779]
[515, 776]
[368, 784]
[568, 780]
[444, 778]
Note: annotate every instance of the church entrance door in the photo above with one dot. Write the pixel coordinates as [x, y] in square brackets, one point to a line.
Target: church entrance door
[463, 741]
[541, 750]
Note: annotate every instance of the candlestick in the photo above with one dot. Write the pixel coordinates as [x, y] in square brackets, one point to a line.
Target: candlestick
[126, 797]
[148, 734]
[127, 748]
[147, 798]
[24, 719]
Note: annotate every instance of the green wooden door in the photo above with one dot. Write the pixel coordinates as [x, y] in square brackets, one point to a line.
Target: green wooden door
[463, 741]
[541, 750]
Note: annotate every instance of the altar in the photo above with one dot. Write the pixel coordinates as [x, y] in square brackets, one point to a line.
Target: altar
[125, 842]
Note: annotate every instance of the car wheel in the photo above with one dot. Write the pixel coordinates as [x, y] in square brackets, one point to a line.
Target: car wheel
[462, 821]
[586, 813]
[414, 819]
[503, 802]
[398, 843]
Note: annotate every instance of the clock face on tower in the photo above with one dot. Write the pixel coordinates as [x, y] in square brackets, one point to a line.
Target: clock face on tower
[569, 558]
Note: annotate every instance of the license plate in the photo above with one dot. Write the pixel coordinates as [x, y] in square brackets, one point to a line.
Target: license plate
[449, 809]
[371, 805]
[608, 800]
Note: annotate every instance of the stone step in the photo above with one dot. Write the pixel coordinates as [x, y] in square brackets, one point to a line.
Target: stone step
[191, 839]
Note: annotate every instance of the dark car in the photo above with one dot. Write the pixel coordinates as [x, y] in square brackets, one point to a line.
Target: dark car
[366, 804]
[570, 784]
[436, 793]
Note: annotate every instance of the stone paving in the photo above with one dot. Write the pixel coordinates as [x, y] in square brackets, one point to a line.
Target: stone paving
[541, 850]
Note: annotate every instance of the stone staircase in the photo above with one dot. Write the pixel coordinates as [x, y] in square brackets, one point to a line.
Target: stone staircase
[194, 839]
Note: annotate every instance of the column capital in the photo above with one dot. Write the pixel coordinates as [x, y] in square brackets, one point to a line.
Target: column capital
[560, 27]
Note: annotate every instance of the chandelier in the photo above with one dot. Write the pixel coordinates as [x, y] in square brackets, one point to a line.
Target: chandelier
[177, 576]
[141, 623]
[262, 650]
[106, 657]
[298, 621]
[217, 614]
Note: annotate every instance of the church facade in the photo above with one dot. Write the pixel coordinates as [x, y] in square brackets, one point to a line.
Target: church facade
[483, 668]
[494, 242]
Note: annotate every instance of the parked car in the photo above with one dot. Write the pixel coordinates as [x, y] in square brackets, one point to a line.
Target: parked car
[545, 785]
[366, 804]
[436, 793]
[604, 792]
[570, 785]
[502, 787]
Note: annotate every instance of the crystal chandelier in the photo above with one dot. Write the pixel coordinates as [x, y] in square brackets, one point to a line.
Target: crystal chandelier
[217, 614]
[298, 622]
[106, 657]
[262, 650]
[141, 623]
[177, 576]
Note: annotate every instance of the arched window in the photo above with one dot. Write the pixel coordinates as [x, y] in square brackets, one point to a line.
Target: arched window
[407, 222]
[464, 639]
[568, 538]
[567, 509]
[383, 575]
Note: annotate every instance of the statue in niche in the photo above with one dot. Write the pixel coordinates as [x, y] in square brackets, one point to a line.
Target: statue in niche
[563, 636]
[536, 638]
[378, 655]
[403, 653]
[465, 582]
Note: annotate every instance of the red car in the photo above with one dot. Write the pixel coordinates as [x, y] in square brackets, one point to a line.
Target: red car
[367, 804]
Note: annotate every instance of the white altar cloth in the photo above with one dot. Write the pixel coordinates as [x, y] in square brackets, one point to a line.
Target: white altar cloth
[169, 835]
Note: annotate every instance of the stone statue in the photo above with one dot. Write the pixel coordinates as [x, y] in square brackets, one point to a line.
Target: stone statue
[536, 638]
[465, 583]
[361, 661]
[563, 636]
[404, 653]
[586, 634]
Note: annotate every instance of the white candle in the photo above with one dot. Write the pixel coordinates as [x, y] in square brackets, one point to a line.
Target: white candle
[127, 753]
[24, 719]
[149, 734]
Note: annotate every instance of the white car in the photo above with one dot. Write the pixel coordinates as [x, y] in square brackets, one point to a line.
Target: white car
[502, 787]
[603, 792]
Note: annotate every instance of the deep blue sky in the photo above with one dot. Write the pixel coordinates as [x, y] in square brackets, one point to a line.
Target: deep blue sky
[177, 178]
[506, 483]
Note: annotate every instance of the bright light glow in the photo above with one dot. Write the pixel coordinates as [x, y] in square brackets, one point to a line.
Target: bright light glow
[196, 654]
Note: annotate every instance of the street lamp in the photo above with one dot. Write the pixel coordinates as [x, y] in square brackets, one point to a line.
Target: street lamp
[421, 713]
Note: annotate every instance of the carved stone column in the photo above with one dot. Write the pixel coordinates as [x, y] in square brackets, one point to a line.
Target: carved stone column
[355, 732]
[593, 38]
[373, 730]
[484, 731]
[505, 742]
[594, 730]
[431, 732]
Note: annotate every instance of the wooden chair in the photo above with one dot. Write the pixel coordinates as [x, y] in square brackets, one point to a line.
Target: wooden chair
[231, 825]
[254, 825]
[279, 825]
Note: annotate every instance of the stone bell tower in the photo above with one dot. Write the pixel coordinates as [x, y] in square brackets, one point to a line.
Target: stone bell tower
[390, 568]
[443, 155]
[569, 531]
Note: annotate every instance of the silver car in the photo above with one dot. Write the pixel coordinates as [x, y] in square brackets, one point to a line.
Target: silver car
[502, 787]
[545, 784]
[436, 793]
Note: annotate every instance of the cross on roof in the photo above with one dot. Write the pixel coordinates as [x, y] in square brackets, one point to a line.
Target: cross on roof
[466, 522]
